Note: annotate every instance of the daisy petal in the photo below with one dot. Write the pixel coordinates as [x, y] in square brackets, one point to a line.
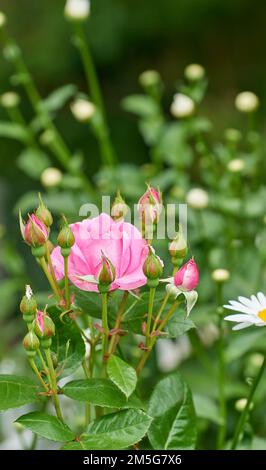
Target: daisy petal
[256, 302]
[247, 302]
[241, 318]
[241, 326]
[238, 307]
[262, 299]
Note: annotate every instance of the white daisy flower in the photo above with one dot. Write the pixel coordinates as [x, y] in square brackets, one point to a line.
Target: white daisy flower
[252, 311]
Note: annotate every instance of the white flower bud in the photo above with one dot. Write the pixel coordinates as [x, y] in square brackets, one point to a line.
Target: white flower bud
[51, 177]
[2, 19]
[77, 10]
[10, 99]
[194, 72]
[247, 102]
[220, 275]
[240, 404]
[182, 106]
[82, 110]
[236, 165]
[197, 198]
[149, 78]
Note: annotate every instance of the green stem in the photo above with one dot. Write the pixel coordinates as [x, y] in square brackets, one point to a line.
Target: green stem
[156, 321]
[53, 285]
[121, 310]
[37, 372]
[246, 410]
[107, 152]
[54, 384]
[221, 378]
[150, 310]
[67, 295]
[104, 324]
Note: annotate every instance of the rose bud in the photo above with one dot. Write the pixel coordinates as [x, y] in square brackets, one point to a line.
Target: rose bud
[178, 248]
[187, 277]
[31, 343]
[153, 268]
[106, 274]
[150, 206]
[43, 213]
[44, 328]
[65, 239]
[119, 208]
[28, 305]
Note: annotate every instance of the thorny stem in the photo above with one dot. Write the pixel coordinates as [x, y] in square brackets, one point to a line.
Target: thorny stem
[37, 372]
[153, 339]
[53, 285]
[67, 295]
[53, 383]
[246, 410]
[121, 310]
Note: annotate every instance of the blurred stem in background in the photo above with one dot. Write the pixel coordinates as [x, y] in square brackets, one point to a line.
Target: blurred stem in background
[59, 148]
[221, 370]
[244, 414]
[81, 42]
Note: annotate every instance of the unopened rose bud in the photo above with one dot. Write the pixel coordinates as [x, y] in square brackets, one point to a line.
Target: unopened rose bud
[44, 328]
[83, 110]
[182, 106]
[66, 239]
[149, 78]
[31, 343]
[236, 165]
[153, 268]
[178, 248]
[28, 305]
[187, 277]
[34, 233]
[247, 102]
[43, 213]
[106, 274]
[119, 208]
[194, 72]
[197, 198]
[10, 99]
[220, 275]
[51, 177]
[77, 10]
[150, 207]
[2, 19]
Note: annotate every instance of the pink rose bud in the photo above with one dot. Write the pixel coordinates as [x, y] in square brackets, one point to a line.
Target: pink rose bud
[43, 325]
[31, 343]
[28, 304]
[106, 274]
[187, 277]
[153, 268]
[150, 206]
[66, 239]
[35, 232]
[119, 208]
[178, 248]
[43, 213]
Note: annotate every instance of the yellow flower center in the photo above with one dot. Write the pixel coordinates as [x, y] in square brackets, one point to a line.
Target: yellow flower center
[262, 314]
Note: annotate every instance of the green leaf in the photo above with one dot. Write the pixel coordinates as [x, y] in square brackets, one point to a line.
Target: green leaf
[59, 97]
[73, 446]
[171, 406]
[141, 105]
[46, 426]
[15, 131]
[33, 162]
[100, 392]
[68, 345]
[178, 326]
[116, 430]
[207, 408]
[122, 374]
[16, 391]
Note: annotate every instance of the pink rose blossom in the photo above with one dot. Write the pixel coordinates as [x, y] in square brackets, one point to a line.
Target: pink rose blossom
[187, 277]
[120, 242]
